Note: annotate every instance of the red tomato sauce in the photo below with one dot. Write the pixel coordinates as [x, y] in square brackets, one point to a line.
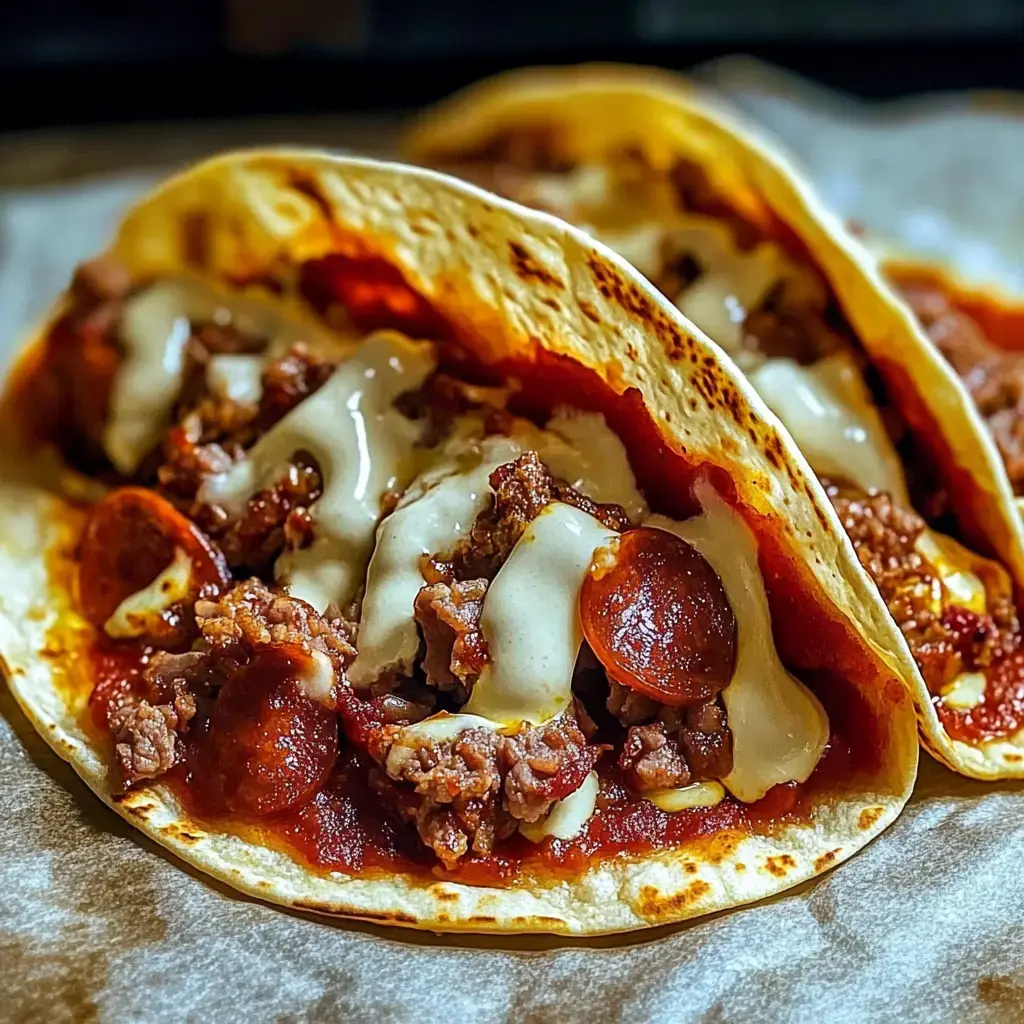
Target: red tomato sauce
[346, 827]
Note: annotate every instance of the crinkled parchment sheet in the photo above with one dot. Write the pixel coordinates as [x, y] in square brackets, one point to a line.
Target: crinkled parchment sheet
[97, 923]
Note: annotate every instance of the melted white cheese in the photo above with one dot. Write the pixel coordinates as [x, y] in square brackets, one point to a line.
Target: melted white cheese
[593, 460]
[443, 726]
[778, 726]
[155, 326]
[828, 410]
[530, 619]
[962, 585]
[683, 798]
[428, 521]
[568, 816]
[317, 681]
[363, 448]
[135, 615]
[965, 692]
[236, 378]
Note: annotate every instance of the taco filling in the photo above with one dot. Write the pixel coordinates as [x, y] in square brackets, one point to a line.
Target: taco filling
[350, 600]
[732, 267]
[980, 342]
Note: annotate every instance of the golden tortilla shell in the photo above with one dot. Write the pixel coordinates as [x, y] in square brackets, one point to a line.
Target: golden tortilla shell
[510, 282]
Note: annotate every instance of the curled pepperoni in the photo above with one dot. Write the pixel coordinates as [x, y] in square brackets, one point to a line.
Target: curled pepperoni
[658, 619]
[272, 745]
[130, 538]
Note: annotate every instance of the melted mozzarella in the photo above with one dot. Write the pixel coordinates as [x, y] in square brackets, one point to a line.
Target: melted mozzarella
[237, 378]
[135, 613]
[568, 816]
[429, 520]
[317, 681]
[530, 618]
[593, 460]
[155, 326]
[965, 692]
[963, 586]
[778, 726]
[733, 281]
[828, 410]
[683, 798]
[363, 448]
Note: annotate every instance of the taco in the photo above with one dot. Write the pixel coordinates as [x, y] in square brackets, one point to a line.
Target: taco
[725, 227]
[409, 558]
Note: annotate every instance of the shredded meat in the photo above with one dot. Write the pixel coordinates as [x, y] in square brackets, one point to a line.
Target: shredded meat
[993, 376]
[677, 746]
[522, 489]
[650, 760]
[630, 707]
[470, 790]
[945, 640]
[146, 735]
[449, 616]
[251, 615]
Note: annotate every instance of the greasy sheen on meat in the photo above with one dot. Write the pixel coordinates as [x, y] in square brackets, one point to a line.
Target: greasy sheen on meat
[993, 376]
[668, 746]
[145, 735]
[251, 614]
[455, 651]
[469, 791]
[945, 641]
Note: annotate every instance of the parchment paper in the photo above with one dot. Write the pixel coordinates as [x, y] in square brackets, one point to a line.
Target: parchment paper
[96, 923]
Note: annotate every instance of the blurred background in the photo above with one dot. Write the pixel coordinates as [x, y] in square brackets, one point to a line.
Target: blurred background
[67, 62]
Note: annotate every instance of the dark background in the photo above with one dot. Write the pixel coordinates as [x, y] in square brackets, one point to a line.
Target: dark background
[70, 62]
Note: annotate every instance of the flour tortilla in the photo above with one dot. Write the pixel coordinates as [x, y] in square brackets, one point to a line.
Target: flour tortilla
[494, 271]
[595, 109]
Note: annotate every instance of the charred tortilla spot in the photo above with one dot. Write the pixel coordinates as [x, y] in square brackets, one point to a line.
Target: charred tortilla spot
[473, 231]
[826, 859]
[307, 186]
[1012, 758]
[551, 303]
[690, 868]
[195, 238]
[653, 906]
[525, 264]
[588, 311]
[868, 817]
[779, 866]
[722, 847]
[446, 896]
[741, 867]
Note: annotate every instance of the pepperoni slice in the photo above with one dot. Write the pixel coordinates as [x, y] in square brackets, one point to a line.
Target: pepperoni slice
[129, 540]
[272, 744]
[658, 619]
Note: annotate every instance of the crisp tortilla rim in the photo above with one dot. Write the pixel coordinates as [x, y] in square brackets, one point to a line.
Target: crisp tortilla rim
[462, 249]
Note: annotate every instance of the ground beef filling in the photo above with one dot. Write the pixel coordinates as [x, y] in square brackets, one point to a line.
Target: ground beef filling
[993, 376]
[212, 435]
[468, 792]
[945, 639]
[448, 608]
[667, 747]
[471, 791]
[147, 725]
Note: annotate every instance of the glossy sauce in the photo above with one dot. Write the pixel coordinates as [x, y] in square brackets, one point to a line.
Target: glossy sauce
[345, 826]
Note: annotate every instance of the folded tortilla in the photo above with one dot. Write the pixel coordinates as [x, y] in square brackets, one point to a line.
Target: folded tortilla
[531, 303]
[643, 160]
